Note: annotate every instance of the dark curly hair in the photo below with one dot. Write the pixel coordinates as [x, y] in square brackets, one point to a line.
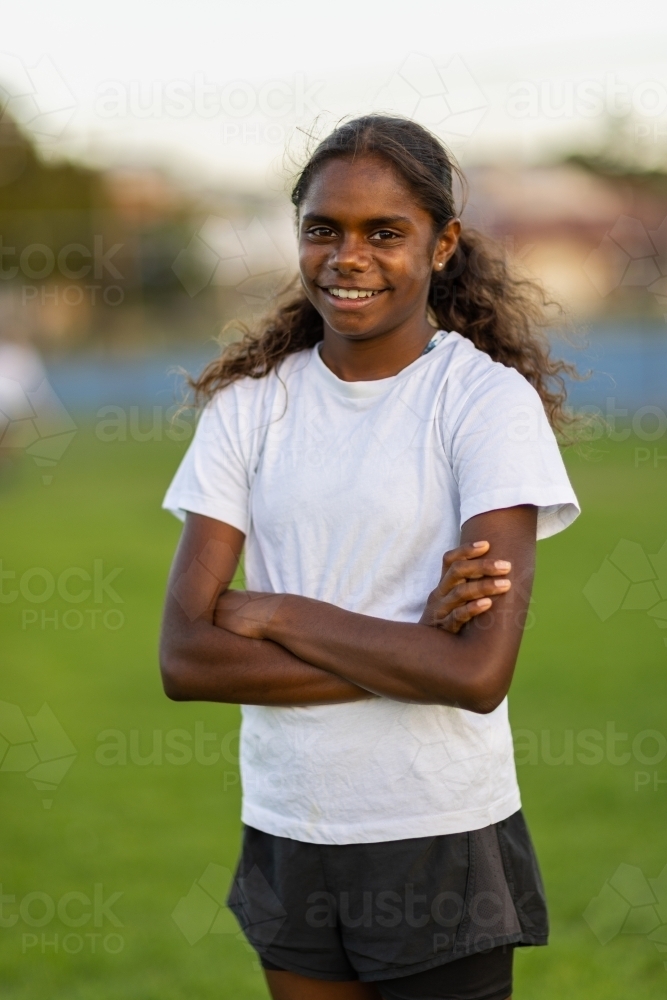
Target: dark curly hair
[503, 313]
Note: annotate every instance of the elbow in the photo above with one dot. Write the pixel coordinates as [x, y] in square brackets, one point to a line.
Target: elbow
[173, 673]
[486, 692]
[173, 691]
[484, 704]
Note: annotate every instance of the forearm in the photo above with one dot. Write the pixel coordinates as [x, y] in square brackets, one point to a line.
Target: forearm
[202, 662]
[416, 662]
[398, 660]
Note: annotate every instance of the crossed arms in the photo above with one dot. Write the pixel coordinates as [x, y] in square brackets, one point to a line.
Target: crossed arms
[282, 649]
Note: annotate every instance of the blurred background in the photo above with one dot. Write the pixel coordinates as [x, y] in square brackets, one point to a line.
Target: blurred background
[146, 155]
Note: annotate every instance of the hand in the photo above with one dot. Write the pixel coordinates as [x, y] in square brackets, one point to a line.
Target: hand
[466, 587]
[246, 612]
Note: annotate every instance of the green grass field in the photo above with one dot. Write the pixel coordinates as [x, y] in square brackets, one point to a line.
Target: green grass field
[148, 825]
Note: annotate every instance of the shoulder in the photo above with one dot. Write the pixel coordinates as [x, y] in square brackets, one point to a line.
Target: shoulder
[239, 415]
[476, 381]
[249, 394]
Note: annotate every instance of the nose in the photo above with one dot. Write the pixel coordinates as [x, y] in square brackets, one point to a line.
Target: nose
[351, 255]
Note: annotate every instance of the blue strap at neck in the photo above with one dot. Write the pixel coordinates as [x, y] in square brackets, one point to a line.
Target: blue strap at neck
[437, 337]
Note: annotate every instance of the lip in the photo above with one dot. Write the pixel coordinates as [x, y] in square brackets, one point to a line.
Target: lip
[350, 305]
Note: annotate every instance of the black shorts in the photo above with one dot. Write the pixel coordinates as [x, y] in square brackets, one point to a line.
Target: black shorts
[484, 976]
[388, 911]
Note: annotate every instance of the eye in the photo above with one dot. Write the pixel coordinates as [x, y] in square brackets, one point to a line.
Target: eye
[385, 236]
[320, 232]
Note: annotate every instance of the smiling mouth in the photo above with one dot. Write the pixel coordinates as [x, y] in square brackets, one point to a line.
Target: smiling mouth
[353, 293]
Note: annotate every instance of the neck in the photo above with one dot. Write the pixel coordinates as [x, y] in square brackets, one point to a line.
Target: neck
[377, 356]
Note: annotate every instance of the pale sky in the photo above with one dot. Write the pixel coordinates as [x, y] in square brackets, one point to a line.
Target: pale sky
[216, 89]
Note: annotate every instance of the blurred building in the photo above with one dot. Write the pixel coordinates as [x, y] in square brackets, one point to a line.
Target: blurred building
[597, 240]
[87, 257]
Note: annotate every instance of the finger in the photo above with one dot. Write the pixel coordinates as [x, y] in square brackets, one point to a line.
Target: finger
[470, 550]
[474, 590]
[466, 593]
[469, 569]
[466, 569]
[458, 618]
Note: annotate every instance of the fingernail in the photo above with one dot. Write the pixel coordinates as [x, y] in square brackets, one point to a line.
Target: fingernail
[501, 584]
[484, 602]
[479, 545]
[502, 564]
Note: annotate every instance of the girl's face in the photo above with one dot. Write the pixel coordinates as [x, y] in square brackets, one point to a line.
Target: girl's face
[367, 250]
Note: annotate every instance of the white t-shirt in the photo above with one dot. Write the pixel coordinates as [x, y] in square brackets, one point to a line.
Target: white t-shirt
[350, 492]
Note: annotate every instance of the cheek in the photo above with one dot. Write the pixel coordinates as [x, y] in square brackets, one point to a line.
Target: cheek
[310, 259]
[417, 268]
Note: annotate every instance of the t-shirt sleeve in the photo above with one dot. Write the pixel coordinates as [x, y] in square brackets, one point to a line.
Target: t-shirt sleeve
[504, 453]
[213, 478]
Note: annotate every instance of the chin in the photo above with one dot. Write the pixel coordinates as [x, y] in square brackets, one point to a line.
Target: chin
[353, 330]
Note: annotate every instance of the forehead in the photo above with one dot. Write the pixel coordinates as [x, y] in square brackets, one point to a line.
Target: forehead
[363, 187]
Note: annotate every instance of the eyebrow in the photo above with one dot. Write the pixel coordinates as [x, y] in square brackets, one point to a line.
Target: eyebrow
[383, 220]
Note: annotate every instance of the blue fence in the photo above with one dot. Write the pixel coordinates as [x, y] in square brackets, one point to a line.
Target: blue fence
[628, 364]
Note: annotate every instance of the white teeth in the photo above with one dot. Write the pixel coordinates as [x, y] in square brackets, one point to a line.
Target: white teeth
[352, 293]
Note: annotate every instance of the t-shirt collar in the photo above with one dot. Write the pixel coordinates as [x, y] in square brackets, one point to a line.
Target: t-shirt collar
[374, 387]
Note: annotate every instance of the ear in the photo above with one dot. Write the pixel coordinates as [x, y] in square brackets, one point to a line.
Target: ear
[446, 244]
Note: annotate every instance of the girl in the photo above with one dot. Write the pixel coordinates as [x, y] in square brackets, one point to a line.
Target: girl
[347, 446]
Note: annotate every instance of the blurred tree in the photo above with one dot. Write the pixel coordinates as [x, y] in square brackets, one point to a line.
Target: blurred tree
[42, 202]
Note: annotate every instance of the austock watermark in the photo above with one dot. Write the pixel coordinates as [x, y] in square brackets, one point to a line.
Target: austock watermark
[591, 747]
[34, 421]
[486, 914]
[630, 256]
[603, 97]
[35, 745]
[197, 589]
[646, 423]
[649, 457]
[650, 133]
[243, 256]
[442, 95]
[629, 579]
[37, 96]
[65, 916]
[176, 747]
[483, 915]
[73, 295]
[525, 422]
[73, 585]
[80, 273]
[630, 903]
[203, 910]
[281, 102]
[619, 423]
[136, 423]
[267, 113]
